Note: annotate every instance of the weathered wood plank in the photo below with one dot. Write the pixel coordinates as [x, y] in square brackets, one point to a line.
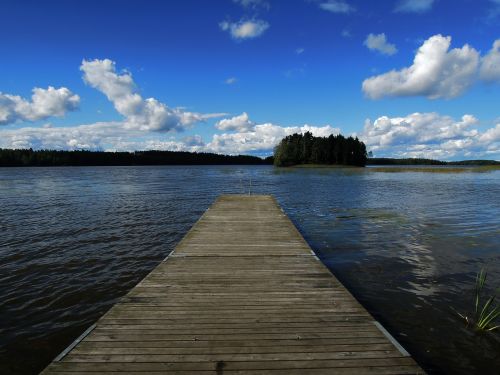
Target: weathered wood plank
[241, 346]
[242, 293]
[379, 370]
[354, 363]
[231, 357]
[100, 350]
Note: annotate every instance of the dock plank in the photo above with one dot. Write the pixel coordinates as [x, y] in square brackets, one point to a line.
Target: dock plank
[242, 293]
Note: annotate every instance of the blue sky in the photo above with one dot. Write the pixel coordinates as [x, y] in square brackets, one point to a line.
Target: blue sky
[235, 76]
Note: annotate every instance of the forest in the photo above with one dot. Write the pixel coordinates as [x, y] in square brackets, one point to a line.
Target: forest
[29, 157]
[307, 149]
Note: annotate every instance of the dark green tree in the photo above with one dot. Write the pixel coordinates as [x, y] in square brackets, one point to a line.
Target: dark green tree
[29, 157]
[305, 148]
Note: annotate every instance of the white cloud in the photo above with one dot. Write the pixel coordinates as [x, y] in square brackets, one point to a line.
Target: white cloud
[490, 141]
[91, 137]
[107, 136]
[115, 137]
[244, 29]
[491, 135]
[417, 135]
[490, 63]
[262, 138]
[137, 131]
[337, 6]
[378, 42]
[436, 72]
[416, 128]
[414, 6]
[430, 135]
[145, 123]
[231, 81]
[193, 141]
[254, 4]
[238, 123]
[144, 114]
[44, 103]
[299, 51]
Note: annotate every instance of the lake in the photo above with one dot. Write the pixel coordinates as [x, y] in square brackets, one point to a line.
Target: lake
[408, 245]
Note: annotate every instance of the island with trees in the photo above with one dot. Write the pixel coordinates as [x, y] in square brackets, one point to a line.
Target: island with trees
[305, 148]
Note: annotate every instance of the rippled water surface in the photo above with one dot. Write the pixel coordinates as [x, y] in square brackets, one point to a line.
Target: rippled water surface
[408, 246]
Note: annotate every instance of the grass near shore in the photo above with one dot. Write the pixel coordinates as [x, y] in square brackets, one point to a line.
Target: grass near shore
[406, 168]
[436, 169]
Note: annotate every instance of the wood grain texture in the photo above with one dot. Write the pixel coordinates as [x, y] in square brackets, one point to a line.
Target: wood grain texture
[242, 293]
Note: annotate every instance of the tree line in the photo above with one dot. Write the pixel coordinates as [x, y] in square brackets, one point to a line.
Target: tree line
[307, 149]
[294, 149]
[29, 157]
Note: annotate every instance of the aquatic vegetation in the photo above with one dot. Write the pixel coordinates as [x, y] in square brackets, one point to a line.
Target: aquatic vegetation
[486, 311]
[436, 169]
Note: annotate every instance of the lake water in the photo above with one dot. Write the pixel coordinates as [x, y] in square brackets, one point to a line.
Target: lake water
[407, 245]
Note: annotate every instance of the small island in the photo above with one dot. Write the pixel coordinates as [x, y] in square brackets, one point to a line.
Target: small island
[297, 149]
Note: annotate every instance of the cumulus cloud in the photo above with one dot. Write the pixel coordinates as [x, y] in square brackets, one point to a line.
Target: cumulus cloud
[414, 6]
[113, 136]
[253, 4]
[436, 72]
[237, 123]
[193, 141]
[145, 126]
[262, 138]
[429, 135]
[416, 128]
[144, 114]
[337, 6]
[491, 140]
[144, 119]
[89, 137]
[44, 103]
[244, 29]
[490, 63]
[107, 136]
[378, 42]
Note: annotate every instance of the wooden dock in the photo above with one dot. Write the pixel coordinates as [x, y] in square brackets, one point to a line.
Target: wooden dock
[242, 293]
